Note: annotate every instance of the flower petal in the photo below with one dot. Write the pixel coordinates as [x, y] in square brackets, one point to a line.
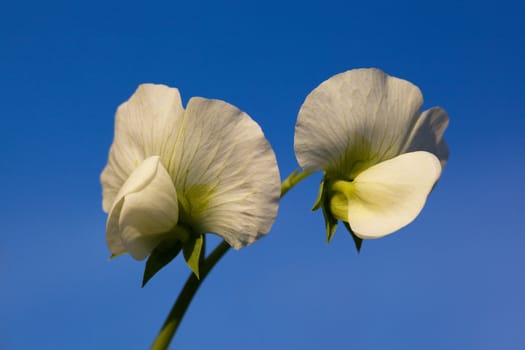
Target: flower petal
[391, 194]
[225, 173]
[427, 134]
[145, 125]
[354, 120]
[145, 210]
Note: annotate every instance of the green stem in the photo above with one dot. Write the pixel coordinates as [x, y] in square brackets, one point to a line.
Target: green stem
[186, 295]
[193, 283]
[292, 180]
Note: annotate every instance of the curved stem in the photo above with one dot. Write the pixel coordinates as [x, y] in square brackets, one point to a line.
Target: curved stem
[292, 180]
[186, 295]
[193, 283]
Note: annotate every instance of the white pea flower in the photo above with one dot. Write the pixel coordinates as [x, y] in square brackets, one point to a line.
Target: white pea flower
[381, 157]
[175, 172]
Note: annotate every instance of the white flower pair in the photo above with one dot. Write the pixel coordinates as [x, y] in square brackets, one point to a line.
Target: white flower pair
[174, 173]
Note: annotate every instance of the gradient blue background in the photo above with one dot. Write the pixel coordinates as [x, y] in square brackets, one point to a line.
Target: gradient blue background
[453, 279]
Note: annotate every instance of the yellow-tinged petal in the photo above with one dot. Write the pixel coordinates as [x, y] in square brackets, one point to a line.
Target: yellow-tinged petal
[225, 172]
[146, 209]
[354, 120]
[387, 196]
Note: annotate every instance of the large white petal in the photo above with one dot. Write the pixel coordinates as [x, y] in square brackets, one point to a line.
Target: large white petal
[225, 173]
[391, 194]
[354, 120]
[146, 208]
[145, 125]
[427, 134]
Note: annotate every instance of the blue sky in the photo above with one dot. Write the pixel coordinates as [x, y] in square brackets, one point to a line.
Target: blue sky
[453, 279]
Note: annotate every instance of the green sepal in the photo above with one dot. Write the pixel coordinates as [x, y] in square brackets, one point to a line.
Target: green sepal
[193, 252]
[320, 197]
[330, 224]
[161, 256]
[322, 202]
[357, 241]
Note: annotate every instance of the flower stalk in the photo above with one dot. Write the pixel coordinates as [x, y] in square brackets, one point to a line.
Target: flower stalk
[193, 283]
[185, 297]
